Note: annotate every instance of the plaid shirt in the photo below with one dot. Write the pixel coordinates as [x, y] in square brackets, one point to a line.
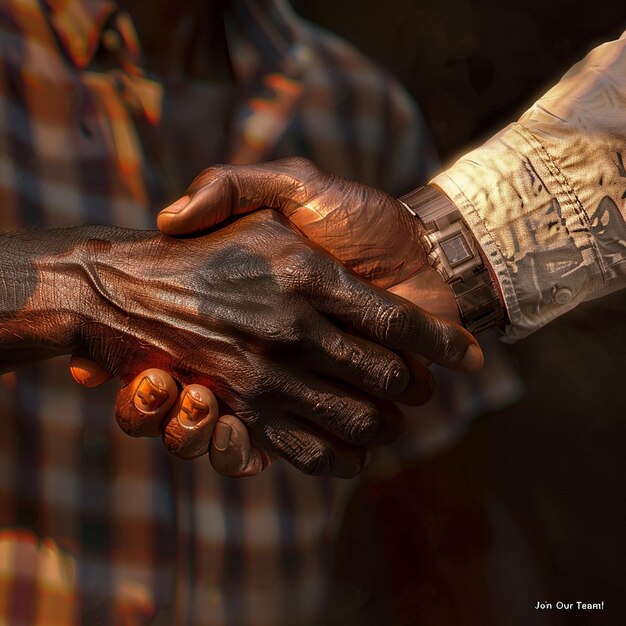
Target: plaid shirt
[99, 528]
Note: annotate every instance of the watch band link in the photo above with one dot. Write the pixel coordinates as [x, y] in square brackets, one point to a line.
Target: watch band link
[454, 252]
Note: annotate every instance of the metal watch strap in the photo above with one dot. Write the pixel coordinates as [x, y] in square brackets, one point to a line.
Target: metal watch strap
[455, 254]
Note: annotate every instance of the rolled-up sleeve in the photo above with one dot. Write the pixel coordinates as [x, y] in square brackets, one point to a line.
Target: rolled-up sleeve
[546, 197]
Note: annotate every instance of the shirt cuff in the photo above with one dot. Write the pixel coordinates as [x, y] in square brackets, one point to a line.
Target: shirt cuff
[532, 227]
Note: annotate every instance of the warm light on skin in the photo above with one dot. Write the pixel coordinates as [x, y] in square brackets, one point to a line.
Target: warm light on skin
[193, 409]
[148, 396]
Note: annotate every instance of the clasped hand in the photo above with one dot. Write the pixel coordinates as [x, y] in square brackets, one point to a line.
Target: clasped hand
[308, 356]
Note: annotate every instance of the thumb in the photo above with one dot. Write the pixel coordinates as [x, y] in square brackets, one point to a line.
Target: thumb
[225, 190]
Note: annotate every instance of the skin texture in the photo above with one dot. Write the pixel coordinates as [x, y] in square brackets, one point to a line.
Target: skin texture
[231, 452]
[194, 64]
[232, 311]
[364, 228]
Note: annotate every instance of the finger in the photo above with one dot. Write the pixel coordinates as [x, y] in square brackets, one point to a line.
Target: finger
[225, 190]
[369, 367]
[392, 423]
[187, 433]
[141, 406]
[349, 414]
[422, 384]
[393, 321]
[311, 452]
[87, 372]
[345, 423]
[231, 452]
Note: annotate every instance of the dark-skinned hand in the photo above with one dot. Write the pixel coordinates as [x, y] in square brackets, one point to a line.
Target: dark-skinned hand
[364, 228]
[256, 313]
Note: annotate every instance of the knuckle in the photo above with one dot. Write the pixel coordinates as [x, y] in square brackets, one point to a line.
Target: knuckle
[347, 354]
[281, 332]
[302, 257]
[394, 322]
[249, 387]
[299, 163]
[317, 460]
[207, 175]
[364, 423]
[306, 452]
[399, 321]
[325, 405]
[395, 377]
[302, 268]
[355, 420]
[389, 376]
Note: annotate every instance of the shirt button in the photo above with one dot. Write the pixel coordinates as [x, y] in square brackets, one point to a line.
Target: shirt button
[562, 295]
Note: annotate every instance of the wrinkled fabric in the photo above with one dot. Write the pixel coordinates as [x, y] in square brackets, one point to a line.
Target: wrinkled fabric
[546, 197]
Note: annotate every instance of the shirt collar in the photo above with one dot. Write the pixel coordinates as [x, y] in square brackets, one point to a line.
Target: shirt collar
[79, 25]
[269, 27]
[271, 55]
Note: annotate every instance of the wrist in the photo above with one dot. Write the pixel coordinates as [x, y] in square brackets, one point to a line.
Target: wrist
[50, 290]
[37, 300]
[456, 255]
[429, 290]
[105, 270]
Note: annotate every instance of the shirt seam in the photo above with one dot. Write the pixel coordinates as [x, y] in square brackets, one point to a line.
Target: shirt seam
[566, 189]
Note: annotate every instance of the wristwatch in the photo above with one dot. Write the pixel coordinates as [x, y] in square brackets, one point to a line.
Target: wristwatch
[454, 252]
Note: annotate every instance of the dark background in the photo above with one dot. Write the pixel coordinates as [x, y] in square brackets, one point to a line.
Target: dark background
[472, 65]
[531, 506]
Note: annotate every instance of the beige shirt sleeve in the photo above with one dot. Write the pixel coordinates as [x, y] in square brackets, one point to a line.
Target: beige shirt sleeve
[546, 197]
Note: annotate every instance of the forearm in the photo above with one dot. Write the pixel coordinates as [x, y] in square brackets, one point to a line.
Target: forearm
[545, 196]
[45, 284]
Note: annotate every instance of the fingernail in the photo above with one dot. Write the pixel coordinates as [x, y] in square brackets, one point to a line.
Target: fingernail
[473, 360]
[221, 436]
[88, 373]
[178, 206]
[150, 394]
[193, 409]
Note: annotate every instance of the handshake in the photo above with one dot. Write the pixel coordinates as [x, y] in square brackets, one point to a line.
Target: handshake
[292, 332]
